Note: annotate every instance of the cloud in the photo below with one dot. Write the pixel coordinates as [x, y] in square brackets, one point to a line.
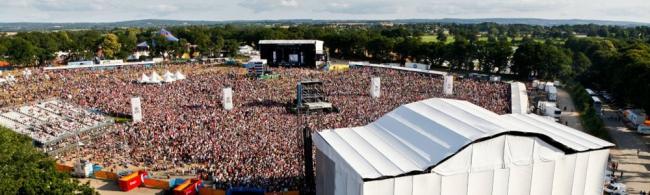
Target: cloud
[268, 5]
[118, 10]
[461, 7]
[361, 7]
[69, 5]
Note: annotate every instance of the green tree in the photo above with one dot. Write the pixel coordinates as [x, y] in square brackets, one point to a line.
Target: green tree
[219, 45]
[25, 170]
[231, 46]
[581, 63]
[380, 47]
[110, 45]
[22, 52]
[442, 36]
[459, 54]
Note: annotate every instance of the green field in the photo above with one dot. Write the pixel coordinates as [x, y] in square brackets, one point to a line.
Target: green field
[434, 38]
[450, 39]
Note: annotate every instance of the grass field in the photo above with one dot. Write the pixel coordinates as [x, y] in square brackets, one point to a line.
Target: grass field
[450, 39]
[434, 38]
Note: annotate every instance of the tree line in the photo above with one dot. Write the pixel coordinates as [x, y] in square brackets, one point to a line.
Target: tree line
[611, 57]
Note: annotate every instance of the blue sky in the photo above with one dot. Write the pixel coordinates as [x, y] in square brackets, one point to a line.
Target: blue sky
[119, 10]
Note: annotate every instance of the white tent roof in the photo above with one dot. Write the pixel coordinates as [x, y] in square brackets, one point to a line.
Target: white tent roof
[168, 78]
[179, 75]
[155, 77]
[144, 78]
[421, 135]
[519, 97]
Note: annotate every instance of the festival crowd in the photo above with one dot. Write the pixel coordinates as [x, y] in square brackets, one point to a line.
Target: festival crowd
[259, 142]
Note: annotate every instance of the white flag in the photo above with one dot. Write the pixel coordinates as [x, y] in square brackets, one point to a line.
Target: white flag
[136, 110]
[375, 87]
[227, 98]
[448, 86]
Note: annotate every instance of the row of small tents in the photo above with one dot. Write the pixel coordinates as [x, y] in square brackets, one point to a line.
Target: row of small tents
[155, 78]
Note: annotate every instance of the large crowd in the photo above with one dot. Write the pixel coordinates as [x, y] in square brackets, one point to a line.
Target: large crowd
[258, 143]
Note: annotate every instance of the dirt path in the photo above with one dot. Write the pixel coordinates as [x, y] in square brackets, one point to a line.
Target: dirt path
[570, 116]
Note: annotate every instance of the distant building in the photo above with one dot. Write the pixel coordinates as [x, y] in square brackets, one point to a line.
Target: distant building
[142, 49]
[247, 50]
[293, 53]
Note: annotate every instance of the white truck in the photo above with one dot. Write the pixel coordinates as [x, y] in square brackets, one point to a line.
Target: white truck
[552, 93]
[549, 109]
[639, 121]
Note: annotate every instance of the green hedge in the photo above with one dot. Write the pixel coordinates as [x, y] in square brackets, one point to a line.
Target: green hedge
[591, 122]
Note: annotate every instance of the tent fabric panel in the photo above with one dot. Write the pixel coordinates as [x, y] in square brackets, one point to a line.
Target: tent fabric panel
[403, 185]
[372, 155]
[580, 174]
[542, 179]
[325, 171]
[544, 152]
[520, 179]
[349, 154]
[454, 184]
[379, 187]
[488, 155]
[387, 149]
[500, 181]
[563, 177]
[518, 151]
[596, 171]
[426, 184]
[354, 184]
[480, 183]
[409, 149]
[459, 163]
[419, 134]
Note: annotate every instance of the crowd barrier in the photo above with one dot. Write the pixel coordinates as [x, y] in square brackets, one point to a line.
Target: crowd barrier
[64, 168]
[161, 184]
[157, 184]
[106, 175]
[211, 191]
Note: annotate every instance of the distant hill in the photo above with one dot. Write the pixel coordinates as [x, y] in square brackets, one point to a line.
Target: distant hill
[35, 26]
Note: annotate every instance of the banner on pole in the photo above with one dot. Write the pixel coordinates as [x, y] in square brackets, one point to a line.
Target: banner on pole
[136, 109]
[227, 98]
[448, 86]
[375, 87]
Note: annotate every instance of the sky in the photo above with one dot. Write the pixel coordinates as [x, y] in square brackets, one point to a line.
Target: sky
[217, 10]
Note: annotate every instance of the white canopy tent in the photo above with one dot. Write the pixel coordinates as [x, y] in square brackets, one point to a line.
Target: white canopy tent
[155, 77]
[179, 75]
[168, 77]
[144, 79]
[519, 98]
[444, 146]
